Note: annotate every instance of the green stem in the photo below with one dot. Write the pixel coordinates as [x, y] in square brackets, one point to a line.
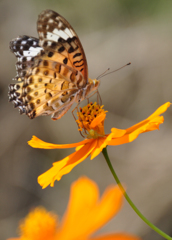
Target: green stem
[104, 151]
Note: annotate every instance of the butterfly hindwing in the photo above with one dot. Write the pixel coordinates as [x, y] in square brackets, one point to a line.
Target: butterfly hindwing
[57, 91]
[50, 88]
[25, 49]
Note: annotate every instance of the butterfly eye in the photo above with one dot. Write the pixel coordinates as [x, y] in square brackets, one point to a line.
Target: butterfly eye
[96, 82]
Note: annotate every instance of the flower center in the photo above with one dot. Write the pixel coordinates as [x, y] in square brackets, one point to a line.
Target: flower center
[91, 120]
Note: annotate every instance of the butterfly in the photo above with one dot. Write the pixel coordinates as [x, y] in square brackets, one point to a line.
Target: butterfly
[52, 71]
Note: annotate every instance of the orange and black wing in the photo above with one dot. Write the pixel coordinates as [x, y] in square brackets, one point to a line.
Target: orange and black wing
[50, 70]
[60, 41]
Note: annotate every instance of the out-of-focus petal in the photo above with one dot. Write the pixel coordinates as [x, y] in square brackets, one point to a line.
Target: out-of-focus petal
[86, 212]
[14, 239]
[39, 224]
[117, 236]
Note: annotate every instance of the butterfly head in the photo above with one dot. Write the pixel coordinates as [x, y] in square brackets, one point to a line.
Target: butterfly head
[91, 86]
[94, 84]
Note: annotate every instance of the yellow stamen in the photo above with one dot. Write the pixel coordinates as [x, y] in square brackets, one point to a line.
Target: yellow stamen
[89, 114]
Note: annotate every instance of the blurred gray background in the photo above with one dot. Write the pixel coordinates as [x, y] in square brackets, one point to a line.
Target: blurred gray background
[113, 33]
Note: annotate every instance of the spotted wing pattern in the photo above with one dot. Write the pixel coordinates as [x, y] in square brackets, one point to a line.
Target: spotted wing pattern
[25, 49]
[51, 70]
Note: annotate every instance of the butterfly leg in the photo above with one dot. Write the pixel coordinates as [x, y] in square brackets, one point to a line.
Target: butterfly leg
[99, 100]
[73, 112]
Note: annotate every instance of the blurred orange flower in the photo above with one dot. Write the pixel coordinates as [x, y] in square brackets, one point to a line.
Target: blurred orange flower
[91, 122]
[85, 214]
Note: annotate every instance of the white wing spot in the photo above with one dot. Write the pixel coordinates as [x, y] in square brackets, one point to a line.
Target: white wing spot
[50, 20]
[41, 34]
[52, 37]
[68, 32]
[23, 42]
[49, 43]
[61, 33]
[60, 24]
[32, 51]
[72, 32]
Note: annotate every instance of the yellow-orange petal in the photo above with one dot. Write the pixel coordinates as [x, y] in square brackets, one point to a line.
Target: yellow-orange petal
[153, 117]
[102, 142]
[96, 121]
[38, 143]
[160, 110]
[117, 236]
[64, 166]
[13, 239]
[131, 136]
[149, 124]
[87, 212]
[118, 132]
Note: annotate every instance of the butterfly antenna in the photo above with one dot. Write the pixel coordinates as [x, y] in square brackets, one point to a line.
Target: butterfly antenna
[104, 74]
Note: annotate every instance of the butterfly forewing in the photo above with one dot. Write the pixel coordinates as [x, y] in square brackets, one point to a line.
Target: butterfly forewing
[61, 42]
[51, 71]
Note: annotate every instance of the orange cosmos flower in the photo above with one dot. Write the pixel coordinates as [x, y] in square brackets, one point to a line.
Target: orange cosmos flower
[91, 122]
[85, 214]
